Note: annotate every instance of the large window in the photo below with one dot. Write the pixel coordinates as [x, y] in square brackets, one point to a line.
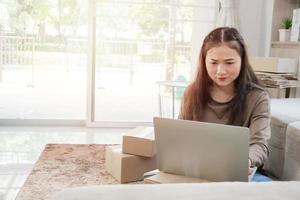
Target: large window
[132, 45]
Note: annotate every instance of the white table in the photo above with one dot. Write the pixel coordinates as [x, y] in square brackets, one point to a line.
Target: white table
[174, 85]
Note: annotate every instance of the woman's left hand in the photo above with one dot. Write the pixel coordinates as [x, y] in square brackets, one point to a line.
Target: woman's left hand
[249, 167]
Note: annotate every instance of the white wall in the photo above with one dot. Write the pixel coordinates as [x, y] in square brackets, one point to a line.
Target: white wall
[205, 22]
[255, 20]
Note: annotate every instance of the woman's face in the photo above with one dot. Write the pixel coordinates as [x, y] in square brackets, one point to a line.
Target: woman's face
[223, 65]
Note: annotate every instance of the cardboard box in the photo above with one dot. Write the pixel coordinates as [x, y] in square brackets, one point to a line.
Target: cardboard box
[273, 64]
[163, 177]
[140, 141]
[127, 168]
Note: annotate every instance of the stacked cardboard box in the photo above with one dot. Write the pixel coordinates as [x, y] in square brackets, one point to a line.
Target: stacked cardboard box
[273, 64]
[136, 156]
[140, 141]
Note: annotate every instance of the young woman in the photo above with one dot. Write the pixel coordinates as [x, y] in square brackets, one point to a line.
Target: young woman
[226, 91]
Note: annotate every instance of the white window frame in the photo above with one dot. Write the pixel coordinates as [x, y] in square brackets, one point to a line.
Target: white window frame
[90, 119]
[91, 69]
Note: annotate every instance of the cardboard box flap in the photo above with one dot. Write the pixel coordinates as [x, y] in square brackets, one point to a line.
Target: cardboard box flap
[141, 132]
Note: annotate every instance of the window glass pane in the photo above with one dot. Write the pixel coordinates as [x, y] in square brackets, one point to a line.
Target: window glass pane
[43, 58]
[140, 43]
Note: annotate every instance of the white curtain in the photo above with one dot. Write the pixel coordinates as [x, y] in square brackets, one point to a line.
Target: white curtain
[227, 15]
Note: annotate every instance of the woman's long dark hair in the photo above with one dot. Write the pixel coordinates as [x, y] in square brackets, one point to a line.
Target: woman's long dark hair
[197, 94]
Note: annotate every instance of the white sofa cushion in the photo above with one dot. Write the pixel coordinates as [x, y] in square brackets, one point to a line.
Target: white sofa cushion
[292, 153]
[283, 112]
[190, 191]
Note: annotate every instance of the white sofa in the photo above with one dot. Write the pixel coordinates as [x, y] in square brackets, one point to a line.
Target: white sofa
[187, 191]
[284, 112]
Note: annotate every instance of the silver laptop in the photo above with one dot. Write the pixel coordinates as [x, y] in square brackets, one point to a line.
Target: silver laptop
[209, 151]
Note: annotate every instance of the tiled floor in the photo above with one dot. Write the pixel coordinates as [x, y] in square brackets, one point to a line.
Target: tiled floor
[20, 147]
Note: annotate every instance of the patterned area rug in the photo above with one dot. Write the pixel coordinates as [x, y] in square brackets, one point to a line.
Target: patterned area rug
[66, 165]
